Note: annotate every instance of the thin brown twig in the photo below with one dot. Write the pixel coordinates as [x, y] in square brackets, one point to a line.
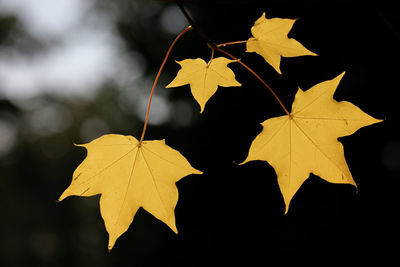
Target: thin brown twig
[257, 76]
[212, 56]
[213, 46]
[157, 77]
[389, 25]
[231, 43]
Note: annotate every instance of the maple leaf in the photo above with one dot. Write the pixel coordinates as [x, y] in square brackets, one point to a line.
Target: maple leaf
[204, 78]
[271, 41]
[129, 176]
[306, 141]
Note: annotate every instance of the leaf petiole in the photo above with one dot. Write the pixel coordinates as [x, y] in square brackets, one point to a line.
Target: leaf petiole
[188, 28]
[257, 76]
[231, 43]
[212, 56]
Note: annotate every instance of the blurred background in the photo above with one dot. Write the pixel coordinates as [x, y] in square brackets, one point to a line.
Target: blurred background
[71, 71]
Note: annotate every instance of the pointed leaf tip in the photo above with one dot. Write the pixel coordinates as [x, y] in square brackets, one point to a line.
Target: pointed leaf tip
[340, 76]
[286, 210]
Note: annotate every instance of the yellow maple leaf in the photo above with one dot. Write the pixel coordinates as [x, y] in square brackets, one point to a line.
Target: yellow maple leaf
[129, 176]
[204, 78]
[306, 141]
[271, 41]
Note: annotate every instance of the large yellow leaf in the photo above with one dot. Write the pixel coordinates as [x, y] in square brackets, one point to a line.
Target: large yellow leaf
[306, 141]
[204, 78]
[129, 176]
[271, 41]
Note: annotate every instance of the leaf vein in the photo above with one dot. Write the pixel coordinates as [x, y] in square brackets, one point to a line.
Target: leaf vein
[155, 185]
[317, 147]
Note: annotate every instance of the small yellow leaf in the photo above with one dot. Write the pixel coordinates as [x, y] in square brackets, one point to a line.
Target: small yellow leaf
[306, 141]
[271, 41]
[204, 78]
[129, 176]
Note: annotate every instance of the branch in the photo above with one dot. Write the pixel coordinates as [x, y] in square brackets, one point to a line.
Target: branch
[214, 46]
[210, 43]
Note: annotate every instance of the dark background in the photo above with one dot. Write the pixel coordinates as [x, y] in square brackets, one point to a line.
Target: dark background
[231, 214]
